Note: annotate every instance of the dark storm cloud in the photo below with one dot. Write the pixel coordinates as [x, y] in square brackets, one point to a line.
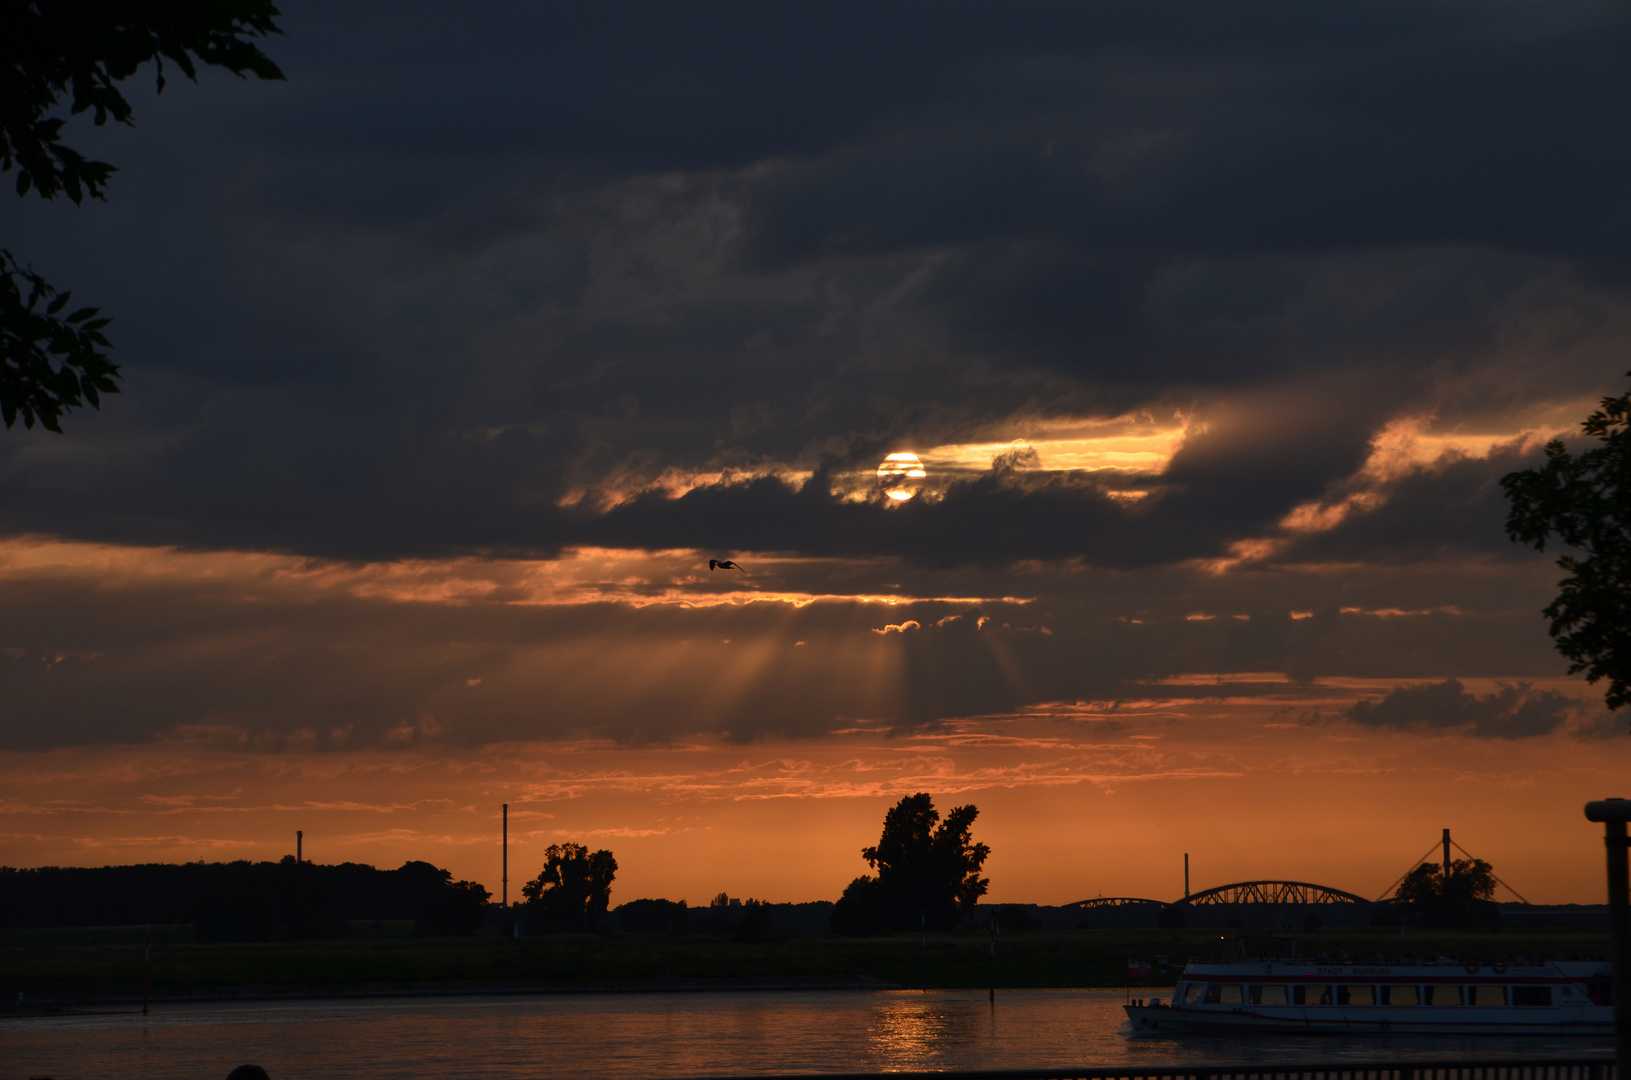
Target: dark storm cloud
[1244, 127]
[468, 262]
[1254, 464]
[335, 671]
[984, 521]
[265, 654]
[1456, 507]
[1512, 712]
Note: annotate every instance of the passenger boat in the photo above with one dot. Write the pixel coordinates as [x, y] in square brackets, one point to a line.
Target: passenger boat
[1406, 996]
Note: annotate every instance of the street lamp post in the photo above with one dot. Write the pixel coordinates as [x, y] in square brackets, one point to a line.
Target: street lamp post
[1614, 813]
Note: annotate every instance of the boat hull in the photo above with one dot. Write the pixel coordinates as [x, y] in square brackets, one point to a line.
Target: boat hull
[1384, 995]
[1164, 1019]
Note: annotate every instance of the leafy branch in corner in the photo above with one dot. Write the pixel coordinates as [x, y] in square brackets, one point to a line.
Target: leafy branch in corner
[49, 362]
[86, 47]
[82, 50]
[1584, 500]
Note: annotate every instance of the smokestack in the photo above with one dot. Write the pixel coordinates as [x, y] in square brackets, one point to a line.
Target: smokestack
[505, 895]
[298, 837]
[1186, 875]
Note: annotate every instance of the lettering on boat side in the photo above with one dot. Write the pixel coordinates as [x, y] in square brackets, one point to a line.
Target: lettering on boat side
[1373, 971]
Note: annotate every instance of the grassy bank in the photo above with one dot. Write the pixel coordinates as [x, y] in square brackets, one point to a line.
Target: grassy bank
[107, 962]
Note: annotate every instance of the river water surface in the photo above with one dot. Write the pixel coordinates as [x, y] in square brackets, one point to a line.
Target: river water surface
[656, 1035]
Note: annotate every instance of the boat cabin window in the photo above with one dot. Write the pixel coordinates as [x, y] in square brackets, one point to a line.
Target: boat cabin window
[1191, 992]
[1311, 995]
[1488, 995]
[1224, 994]
[1439, 994]
[1356, 995]
[1270, 995]
[1401, 995]
[1531, 995]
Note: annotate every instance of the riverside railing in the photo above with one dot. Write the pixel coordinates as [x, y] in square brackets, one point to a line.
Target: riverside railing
[1572, 1069]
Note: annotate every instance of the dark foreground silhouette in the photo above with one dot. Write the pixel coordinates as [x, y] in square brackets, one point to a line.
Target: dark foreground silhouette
[241, 901]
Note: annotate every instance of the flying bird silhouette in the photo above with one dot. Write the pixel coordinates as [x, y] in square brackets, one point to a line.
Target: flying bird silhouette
[723, 564]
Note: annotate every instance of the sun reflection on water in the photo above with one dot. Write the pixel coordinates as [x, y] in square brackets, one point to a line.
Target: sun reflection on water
[910, 1032]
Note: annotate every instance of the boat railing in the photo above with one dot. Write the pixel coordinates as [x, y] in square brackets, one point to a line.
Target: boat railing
[1380, 1069]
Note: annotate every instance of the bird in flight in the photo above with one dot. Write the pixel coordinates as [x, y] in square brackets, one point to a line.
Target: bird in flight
[723, 564]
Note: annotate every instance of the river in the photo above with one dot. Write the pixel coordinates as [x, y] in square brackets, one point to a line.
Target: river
[658, 1035]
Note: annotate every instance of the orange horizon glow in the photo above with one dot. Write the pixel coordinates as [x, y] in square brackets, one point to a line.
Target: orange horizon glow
[1075, 801]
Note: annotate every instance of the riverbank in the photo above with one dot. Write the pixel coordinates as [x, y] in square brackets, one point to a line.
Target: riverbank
[105, 965]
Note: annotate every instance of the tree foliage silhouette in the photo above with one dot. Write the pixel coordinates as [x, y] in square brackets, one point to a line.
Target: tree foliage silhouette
[1461, 898]
[1472, 879]
[754, 925]
[459, 909]
[1584, 501]
[573, 890]
[51, 362]
[928, 871]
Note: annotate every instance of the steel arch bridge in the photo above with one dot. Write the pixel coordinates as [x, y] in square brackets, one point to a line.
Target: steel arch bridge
[1116, 902]
[1271, 892]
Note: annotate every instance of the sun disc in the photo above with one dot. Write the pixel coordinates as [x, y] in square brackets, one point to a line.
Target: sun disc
[901, 476]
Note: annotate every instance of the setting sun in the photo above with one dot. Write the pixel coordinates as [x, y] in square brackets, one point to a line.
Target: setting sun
[901, 476]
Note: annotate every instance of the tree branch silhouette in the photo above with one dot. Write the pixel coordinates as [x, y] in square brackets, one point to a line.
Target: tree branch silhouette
[1584, 501]
[81, 50]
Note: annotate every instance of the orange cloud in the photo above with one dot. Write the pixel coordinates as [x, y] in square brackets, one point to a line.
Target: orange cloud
[1404, 447]
[906, 627]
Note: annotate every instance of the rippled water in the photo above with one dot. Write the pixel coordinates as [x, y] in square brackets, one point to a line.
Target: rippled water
[654, 1035]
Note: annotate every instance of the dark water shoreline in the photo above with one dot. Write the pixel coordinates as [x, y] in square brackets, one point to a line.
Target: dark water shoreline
[102, 969]
[641, 1035]
[82, 1004]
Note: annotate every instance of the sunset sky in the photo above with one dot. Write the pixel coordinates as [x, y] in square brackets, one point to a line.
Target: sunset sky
[450, 362]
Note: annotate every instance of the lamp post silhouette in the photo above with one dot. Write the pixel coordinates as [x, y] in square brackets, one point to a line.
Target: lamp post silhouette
[1614, 813]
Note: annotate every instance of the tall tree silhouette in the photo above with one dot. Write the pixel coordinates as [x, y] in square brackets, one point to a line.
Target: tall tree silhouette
[52, 359]
[573, 890]
[1584, 501]
[928, 871]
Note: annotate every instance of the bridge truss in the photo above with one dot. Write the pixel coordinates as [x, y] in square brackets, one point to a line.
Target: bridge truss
[1271, 892]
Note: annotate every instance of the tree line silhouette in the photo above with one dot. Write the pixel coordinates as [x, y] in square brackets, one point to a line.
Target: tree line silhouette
[927, 875]
[724, 916]
[242, 901]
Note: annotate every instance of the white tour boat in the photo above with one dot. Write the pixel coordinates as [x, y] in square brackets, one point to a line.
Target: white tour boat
[1413, 996]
